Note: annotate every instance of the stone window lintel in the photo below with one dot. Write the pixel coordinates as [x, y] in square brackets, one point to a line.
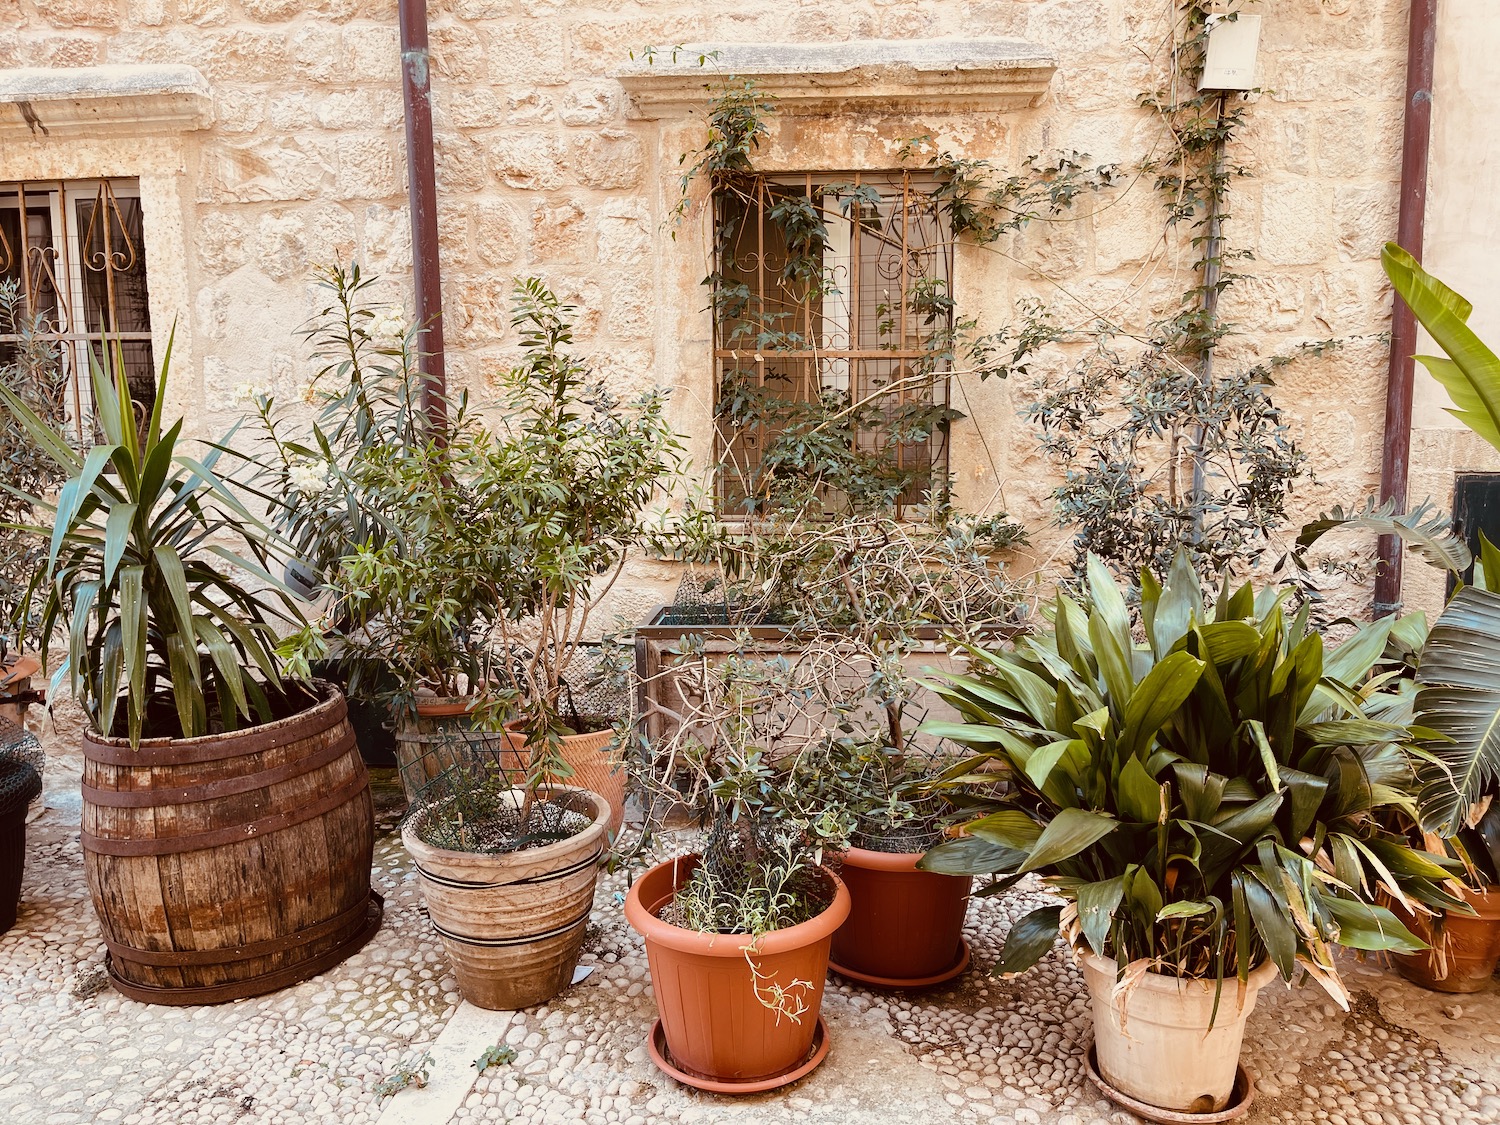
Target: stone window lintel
[861, 75]
[125, 98]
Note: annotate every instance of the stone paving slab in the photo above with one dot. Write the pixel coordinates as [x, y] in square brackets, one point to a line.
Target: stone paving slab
[74, 1051]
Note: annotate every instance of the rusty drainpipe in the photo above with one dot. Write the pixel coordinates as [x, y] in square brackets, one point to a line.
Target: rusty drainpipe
[1421, 51]
[416, 90]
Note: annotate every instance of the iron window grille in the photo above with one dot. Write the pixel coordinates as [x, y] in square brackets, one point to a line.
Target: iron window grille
[832, 287]
[75, 248]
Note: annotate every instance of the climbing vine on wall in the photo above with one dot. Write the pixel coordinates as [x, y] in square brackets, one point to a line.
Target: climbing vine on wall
[1160, 444]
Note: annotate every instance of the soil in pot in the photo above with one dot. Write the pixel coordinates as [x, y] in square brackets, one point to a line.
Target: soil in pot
[1154, 1042]
[905, 926]
[512, 917]
[1465, 948]
[711, 989]
[230, 864]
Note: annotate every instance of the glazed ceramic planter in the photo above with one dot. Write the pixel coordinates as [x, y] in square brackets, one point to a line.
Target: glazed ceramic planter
[512, 924]
[717, 1032]
[1465, 948]
[1154, 1043]
[905, 926]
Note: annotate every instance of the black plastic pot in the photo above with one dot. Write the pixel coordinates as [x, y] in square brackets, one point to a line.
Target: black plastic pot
[373, 733]
[19, 783]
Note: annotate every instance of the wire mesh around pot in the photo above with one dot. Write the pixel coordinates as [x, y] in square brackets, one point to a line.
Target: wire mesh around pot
[17, 744]
[753, 877]
[481, 806]
[916, 829]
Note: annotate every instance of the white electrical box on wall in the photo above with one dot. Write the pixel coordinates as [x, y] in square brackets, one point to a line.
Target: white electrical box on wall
[1230, 60]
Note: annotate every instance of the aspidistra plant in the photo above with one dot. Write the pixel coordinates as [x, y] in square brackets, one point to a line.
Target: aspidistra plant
[135, 575]
[1203, 801]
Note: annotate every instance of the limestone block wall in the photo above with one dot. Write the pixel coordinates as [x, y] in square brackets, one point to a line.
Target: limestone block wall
[543, 169]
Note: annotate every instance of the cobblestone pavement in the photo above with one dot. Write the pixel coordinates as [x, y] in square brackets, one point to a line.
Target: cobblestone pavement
[72, 1050]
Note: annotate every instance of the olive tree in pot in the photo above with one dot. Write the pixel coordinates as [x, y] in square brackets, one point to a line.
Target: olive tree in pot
[574, 472]
[200, 757]
[738, 937]
[1208, 806]
[857, 602]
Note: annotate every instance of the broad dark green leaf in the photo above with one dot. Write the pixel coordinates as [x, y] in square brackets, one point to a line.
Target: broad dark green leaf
[1068, 833]
[1029, 940]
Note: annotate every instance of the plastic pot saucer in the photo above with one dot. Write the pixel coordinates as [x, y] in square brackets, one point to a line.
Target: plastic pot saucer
[1240, 1098]
[656, 1043]
[955, 970]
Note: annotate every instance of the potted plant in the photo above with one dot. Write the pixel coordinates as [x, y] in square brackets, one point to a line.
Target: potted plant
[738, 938]
[35, 376]
[1208, 805]
[348, 465]
[200, 755]
[575, 472]
[1457, 676]
[861, 600]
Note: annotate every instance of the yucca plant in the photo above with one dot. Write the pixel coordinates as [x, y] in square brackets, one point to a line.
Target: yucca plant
[1203, 801]
[135, 575]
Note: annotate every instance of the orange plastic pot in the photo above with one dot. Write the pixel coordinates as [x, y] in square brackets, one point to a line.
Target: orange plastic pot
[1465, 947]
[905, 927]
[709, 986]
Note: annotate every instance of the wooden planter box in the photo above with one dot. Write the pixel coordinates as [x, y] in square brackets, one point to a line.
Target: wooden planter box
[668, 627]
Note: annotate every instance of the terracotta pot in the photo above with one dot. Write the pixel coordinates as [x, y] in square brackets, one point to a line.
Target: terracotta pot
[905, 927]
[512, 924]
[1154, 1043]
[1465, 948]
[716, 1027]
[596, 767]
[15, 688]
[443, 736]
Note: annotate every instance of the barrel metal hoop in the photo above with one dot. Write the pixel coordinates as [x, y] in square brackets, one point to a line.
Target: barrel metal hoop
[374, 908]
[223, 787]
[324, 715]
[175, 958]
[234, 833]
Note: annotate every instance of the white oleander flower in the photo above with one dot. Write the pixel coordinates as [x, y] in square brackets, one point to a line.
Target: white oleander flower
[387, 328]
[253, 392]
[309, 477]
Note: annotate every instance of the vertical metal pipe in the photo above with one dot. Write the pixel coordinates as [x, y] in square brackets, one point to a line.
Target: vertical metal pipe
[1421, 51]
[416, 89]
[1213, 266]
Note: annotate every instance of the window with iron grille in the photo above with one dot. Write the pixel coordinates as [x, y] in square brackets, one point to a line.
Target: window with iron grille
[75, 249]
[833, 323]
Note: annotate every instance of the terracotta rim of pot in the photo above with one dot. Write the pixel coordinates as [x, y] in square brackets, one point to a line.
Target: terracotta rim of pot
[442, 707]
[887, 861]
[527, 861]
[1242, 1097]
[644, 918]
[21, 668]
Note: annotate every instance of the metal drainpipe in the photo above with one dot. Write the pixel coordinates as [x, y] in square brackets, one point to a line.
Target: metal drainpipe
[1421, 51]
[416, 90]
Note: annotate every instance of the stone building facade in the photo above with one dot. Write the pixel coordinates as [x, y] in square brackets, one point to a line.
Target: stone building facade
[558, 156]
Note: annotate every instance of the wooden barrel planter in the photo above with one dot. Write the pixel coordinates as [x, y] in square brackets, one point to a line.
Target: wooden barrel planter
[233, 864]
